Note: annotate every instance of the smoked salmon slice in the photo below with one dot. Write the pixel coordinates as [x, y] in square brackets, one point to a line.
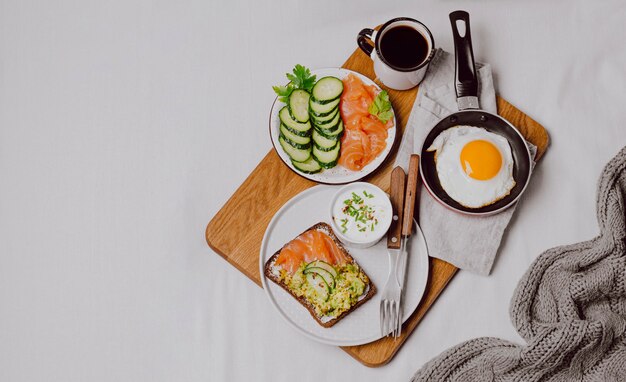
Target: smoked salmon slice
[310, 246]
[365, 135]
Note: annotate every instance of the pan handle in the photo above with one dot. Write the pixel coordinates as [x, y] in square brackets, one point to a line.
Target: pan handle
[465, 70]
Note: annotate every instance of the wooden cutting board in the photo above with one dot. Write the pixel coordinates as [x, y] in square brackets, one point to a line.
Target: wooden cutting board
[236, 231]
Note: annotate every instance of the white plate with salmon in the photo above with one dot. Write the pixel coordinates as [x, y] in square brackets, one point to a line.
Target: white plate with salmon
[332, 125]
[327, 290]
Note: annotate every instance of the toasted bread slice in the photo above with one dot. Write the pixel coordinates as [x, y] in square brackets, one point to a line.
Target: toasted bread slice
[272, 272]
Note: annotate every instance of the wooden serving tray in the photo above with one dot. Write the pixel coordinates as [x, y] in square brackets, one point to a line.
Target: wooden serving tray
[236, 231]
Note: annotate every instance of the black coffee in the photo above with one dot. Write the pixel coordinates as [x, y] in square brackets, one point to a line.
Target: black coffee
[403, 47]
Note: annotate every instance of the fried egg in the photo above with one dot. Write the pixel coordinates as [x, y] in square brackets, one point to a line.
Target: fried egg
[474, 166]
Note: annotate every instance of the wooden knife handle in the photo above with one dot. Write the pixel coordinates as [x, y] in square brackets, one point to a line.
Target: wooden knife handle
[396, 192]
[410, 198]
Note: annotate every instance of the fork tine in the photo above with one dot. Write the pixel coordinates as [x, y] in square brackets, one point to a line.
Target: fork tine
[395, 319]
[392, 308]
[390, 331]
[386, 322]
[398, 321]
[387, 317]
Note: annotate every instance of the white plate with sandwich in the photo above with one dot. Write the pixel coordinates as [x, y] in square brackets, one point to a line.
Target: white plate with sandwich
[332, 298]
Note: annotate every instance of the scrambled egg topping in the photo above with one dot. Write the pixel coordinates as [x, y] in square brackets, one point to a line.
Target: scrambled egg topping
[350, 284]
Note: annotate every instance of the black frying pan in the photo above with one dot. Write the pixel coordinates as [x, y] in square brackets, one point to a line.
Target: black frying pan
[470, 114]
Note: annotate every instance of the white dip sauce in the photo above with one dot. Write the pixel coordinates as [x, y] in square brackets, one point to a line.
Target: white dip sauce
[361, 213]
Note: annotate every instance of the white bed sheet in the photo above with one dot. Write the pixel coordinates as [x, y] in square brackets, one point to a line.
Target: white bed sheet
[126, 125]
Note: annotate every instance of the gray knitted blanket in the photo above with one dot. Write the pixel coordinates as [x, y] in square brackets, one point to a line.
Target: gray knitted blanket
[570, 308]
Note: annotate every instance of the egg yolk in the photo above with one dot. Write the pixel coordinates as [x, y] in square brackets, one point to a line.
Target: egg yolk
[481, 160]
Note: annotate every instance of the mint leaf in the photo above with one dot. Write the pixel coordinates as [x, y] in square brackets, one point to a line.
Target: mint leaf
[381, 107]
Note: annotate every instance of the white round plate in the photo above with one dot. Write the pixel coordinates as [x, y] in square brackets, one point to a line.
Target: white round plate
[337, 174]
[363, 324]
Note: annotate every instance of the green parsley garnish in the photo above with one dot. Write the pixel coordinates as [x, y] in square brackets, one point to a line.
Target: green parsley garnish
[381, 107]
[300, 79]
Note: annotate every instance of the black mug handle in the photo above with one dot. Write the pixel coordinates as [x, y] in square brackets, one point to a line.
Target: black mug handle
[465, 74]
[362, 39]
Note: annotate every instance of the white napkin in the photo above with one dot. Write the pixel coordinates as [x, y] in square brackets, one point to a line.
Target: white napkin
[468, 242]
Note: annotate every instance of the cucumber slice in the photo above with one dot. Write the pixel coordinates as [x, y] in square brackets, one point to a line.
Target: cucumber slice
[324, 265]
[310, 166]
[319, 285]
[297, 127]
[327, 159]
[323, 143]
[322, 120]
[306, 146]
[303, 134]
[329, 124]
[293, 137]
[319, 110]
[327, 89]
[298, 105]
[299, 155]
[331, 133]
[327, 276]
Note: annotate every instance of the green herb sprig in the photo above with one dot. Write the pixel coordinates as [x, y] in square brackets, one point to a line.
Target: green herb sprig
[301, 78]
[381, 107]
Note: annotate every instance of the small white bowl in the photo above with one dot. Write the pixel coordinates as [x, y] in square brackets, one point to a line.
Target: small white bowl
[381, 203]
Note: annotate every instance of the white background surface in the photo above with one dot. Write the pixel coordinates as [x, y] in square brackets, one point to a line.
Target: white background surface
[126, 125]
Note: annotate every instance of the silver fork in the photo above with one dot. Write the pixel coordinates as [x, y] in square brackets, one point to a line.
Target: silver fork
[390, 309]
[390, 316]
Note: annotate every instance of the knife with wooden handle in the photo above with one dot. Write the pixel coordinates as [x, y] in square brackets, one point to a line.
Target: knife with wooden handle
[410, 201]
[410, 198]
[394, 235]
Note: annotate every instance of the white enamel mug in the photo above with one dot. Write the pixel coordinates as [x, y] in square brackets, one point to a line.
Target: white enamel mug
[393, 76]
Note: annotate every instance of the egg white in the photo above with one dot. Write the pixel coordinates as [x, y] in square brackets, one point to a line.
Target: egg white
[467, 191]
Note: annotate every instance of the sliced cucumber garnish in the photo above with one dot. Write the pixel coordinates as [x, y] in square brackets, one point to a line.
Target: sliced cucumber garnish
[311, 150]
[299, 155]
[327, 118]
[323, 143]
[306, 146]
[304, 134]
[324, 265]
[327, 276]
[327, 89]
[319, 285]
[327, 159]
[297, 127]
[299, 105]
[321, 110]
[310, 166]
[293, 137]
[332, 132]
[328, 124]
